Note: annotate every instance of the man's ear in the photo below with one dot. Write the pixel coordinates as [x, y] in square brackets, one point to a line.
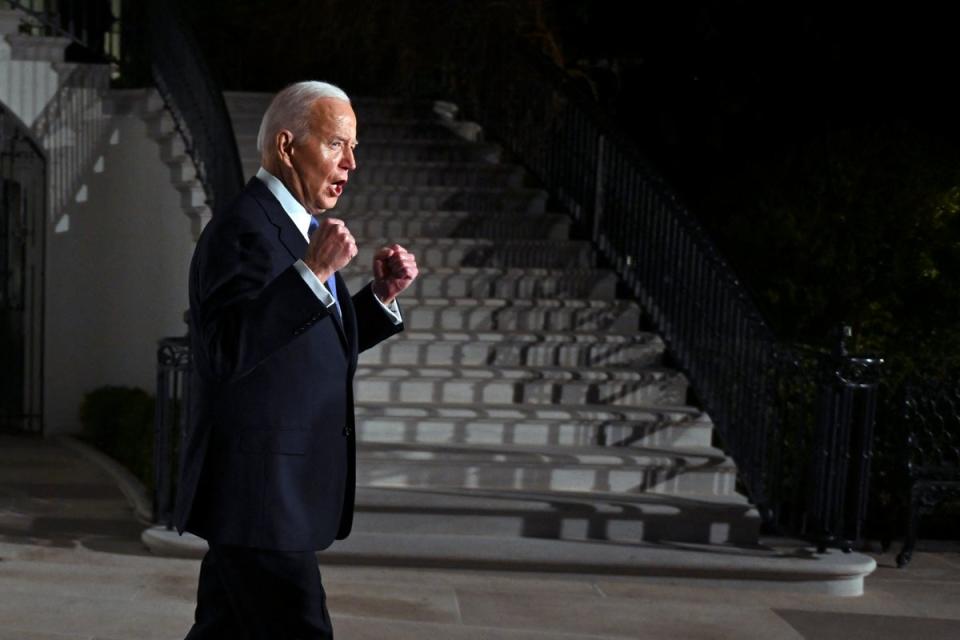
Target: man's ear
[284, 142]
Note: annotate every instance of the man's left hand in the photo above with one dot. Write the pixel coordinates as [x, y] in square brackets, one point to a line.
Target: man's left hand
[394, 268]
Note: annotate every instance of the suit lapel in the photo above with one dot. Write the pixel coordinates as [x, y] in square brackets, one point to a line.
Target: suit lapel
[288, 234]
[292, 239]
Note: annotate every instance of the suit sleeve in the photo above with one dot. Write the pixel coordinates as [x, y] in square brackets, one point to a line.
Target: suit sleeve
[374, 324]
[241, 313]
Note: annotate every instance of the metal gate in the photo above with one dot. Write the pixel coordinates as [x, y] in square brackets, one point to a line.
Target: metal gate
[22, 240]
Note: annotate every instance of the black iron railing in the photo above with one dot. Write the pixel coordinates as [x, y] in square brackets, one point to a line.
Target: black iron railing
[760, 393]
[23, 207]
[842, 451]
[195, 101]
[72, 128]
[930, 418]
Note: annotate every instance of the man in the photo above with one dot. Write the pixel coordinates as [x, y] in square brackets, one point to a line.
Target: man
[268, 465]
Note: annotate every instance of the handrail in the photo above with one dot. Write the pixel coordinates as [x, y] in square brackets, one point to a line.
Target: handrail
[195, 102]
[71, 128]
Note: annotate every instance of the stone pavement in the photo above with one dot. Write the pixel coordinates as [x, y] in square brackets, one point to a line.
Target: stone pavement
[72, 567]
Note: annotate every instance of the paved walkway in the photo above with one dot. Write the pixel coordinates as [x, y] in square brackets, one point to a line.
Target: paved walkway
[72, 567]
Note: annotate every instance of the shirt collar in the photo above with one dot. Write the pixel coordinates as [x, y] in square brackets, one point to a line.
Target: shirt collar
[299, 215]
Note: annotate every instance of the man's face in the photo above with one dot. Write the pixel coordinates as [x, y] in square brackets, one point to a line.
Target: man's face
[319, 163]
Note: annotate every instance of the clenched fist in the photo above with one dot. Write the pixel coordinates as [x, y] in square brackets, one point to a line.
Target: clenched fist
[394, 268]
[331, 248]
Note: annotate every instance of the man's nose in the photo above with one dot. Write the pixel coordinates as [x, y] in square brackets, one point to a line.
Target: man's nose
[349, 160]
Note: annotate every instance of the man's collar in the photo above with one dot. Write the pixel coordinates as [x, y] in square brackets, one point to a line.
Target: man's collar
[296, 211]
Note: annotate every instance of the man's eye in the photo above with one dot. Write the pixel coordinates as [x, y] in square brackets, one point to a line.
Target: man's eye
[336, 144]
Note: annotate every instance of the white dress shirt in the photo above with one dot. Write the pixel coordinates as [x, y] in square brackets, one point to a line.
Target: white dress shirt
[301, 219]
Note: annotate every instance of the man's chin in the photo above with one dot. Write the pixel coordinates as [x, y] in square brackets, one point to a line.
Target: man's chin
[323, 205]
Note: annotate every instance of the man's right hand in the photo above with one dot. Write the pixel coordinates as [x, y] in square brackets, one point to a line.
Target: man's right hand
[331, 248]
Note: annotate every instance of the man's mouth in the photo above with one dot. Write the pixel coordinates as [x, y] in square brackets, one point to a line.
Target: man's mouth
[338, 186]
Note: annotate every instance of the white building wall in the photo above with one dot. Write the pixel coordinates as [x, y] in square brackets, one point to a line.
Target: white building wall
[116, 277]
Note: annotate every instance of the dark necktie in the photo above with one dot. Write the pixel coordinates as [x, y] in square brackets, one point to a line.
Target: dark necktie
[331, 281]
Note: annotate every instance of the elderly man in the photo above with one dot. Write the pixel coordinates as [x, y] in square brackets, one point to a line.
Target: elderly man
[268, 466]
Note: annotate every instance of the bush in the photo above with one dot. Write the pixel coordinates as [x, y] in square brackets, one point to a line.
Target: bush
[119, 422]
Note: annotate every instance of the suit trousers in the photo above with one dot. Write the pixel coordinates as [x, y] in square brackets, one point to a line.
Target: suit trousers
[260, 594]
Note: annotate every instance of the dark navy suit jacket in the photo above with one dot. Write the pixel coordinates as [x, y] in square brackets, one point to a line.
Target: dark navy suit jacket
[269, 457]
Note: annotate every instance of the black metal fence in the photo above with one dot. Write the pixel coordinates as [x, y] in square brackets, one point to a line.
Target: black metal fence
[72, 128]
[846, 406]
[23, 198]
[773, 405]
[930, 420]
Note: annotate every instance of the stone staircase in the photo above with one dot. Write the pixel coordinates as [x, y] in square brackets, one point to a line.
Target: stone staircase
[66, 115]
[522, 400]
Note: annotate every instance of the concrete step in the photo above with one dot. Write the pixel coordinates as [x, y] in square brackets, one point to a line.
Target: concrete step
[470, 252]
[558, 470]
[418, 128]
[246, 103]
[381, 150]
[37, 48]
[783, 565]
[432, 129]
[517, 349]
[523, 200]
[463, 282]
[371, 109]
[533, 425]
[455, 224]
[529, 385]
[10, 21]
[247, 121]
[438, 174]
[610, 517]
[620, 316]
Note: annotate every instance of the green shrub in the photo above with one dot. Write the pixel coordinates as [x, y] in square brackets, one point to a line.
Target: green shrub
[119, 422]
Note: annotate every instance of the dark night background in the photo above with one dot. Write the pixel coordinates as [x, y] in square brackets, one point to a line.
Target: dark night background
[817, 142]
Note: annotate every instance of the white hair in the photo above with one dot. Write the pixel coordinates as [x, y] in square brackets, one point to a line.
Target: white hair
[290, 109]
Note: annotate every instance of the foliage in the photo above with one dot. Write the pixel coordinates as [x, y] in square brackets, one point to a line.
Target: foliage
[858, 226]
[119, 422]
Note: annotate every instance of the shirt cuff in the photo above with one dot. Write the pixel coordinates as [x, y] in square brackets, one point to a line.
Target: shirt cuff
[319, 289]
[392, 309]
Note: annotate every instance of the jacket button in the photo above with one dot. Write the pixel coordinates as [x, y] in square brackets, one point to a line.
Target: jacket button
[347, 431]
